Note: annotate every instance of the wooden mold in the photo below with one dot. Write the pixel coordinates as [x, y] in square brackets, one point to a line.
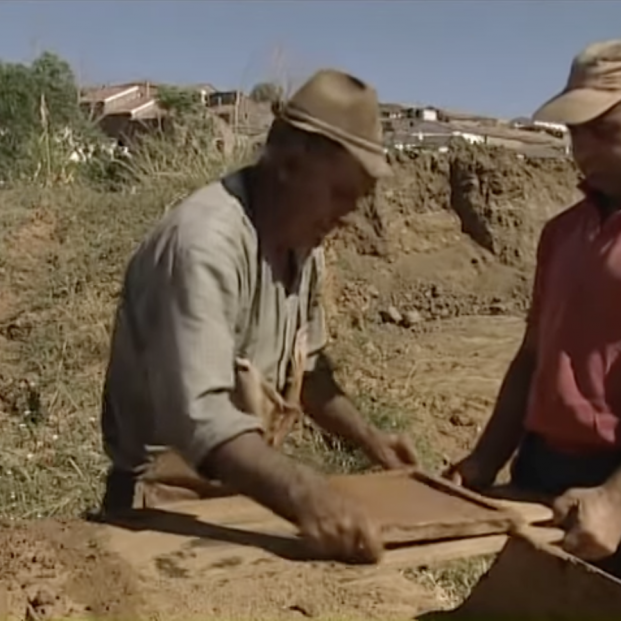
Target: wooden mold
[411, 506]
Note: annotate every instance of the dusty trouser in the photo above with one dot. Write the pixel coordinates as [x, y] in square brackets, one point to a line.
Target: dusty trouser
[166, 477]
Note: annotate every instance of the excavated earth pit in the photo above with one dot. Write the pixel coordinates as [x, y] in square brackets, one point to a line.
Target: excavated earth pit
[427, 289]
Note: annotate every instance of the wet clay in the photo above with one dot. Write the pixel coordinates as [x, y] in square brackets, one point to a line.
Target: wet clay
[407, 506]
[411, 507]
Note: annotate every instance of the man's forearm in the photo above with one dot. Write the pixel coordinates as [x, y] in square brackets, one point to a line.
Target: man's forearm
[252, 468]
[328, 405]
[505, 428]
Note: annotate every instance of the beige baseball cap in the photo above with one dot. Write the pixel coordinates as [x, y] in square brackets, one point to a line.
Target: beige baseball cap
[593, 87]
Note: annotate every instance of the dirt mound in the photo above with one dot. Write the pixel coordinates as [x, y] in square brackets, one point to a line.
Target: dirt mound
[63, 570]
[53, 570]
[449, 235]
[502, 202]
[429, 284]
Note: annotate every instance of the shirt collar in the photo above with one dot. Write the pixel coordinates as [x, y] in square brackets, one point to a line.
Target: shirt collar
[605, 205]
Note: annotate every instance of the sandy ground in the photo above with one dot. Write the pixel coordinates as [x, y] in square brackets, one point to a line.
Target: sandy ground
[64, 568]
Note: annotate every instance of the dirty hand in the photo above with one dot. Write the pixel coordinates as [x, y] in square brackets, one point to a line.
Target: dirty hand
[471, 472]
[336, 527]
[591, 518]
[391, 451]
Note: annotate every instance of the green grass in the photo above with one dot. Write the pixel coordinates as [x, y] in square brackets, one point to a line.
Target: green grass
[334, 456]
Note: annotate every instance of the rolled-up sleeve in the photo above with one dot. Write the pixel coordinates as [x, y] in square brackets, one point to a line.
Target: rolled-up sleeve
[317, 334]
[191, 357]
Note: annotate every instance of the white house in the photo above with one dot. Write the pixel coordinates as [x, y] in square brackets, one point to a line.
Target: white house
[558, 127]
[428, 114]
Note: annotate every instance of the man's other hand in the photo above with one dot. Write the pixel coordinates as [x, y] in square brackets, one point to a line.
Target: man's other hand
[591, 518]
[471, 472]
[391, 451]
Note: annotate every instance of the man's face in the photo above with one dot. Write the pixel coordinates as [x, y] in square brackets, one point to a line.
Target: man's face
[319, 192]
[597, 151]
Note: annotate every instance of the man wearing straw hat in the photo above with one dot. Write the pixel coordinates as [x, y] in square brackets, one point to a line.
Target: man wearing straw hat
[560, 403]
[221, 327]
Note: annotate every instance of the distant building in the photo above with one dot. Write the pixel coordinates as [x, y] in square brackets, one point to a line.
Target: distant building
[423, 134]
[554, 129]
[425, 113]
[204, 90]
[238, 110]
[392, 111]
[124, 111]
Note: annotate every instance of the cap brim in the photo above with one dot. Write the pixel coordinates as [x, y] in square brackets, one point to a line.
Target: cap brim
[577, 106]
[375, 164]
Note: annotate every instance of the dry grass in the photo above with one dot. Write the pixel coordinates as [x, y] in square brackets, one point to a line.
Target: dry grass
[63, 254]
[64, 251]
[63, 268]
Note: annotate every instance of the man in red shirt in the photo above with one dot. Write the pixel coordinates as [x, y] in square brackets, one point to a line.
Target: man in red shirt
[559, 405]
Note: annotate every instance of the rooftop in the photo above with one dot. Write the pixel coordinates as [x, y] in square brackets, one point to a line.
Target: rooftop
[94, 94]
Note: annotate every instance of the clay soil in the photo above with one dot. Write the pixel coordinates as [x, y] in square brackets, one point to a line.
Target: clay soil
[428, 286]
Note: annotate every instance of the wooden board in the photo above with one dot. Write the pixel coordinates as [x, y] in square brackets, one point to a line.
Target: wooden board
[534, 508]
[531, 579]
[208, 537]
[198, 548]
[428, 554]
[410, 507]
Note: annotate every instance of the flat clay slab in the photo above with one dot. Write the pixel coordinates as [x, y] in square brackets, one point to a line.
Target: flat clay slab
[410, 506]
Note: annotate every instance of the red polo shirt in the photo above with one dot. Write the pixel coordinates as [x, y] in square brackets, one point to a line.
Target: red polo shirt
[575, 398]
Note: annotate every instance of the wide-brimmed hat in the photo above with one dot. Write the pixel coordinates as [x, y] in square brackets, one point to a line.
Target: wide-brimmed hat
[593, 87]
[344, 109]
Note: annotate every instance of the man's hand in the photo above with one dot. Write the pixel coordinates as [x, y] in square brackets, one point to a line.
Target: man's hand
[471, 472]
[592, 520]
[326, 403]
[391, 451]
[336, 527]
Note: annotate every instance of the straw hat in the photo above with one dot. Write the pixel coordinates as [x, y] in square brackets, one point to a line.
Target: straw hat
[343, 109]
[593, 87]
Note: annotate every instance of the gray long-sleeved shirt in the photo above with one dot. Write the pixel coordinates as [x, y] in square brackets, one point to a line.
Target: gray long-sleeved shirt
[197, 294]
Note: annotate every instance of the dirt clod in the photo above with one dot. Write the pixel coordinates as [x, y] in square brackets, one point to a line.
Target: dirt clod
[392, 315]
[411, 318]
[55, 570]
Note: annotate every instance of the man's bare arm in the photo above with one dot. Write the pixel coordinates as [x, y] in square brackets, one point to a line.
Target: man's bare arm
[505, 428]
[328, 405]
[333, 524]
[252, 468]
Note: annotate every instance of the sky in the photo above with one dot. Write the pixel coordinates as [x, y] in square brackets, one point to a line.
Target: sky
[498, 57]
